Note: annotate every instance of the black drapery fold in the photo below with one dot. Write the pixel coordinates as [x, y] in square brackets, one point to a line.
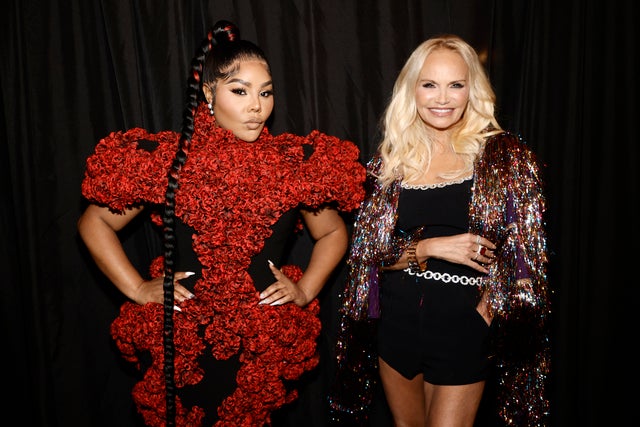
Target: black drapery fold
[72, 71]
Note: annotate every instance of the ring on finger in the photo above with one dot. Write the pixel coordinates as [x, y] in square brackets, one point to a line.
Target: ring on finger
[483, 250]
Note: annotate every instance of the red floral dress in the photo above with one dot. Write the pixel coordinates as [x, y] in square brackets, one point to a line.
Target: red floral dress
[231, 193]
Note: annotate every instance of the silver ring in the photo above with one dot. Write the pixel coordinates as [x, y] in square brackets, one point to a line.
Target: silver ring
[479, 249]
[478, 239]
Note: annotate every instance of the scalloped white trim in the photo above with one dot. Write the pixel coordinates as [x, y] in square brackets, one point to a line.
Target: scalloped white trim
[436, 185]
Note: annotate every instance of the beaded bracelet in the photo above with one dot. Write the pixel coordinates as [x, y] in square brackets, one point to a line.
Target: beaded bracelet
[412, 259]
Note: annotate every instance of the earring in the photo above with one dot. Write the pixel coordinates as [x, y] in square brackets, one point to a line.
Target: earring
[210, 108]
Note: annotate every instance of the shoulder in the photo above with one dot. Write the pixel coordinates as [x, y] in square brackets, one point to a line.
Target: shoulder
[318, 144]
[131, 150]
[507, 151]
[505, 140]
[508, 144]
[375, 164]
[136, 139]
[318, 138]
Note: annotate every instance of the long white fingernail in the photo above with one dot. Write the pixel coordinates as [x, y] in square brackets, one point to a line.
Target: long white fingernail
[270, 263]
[176, 308]
[189, 273]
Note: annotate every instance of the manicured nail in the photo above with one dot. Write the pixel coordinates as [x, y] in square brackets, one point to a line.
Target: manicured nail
[270, 263]
[176, 308]
[191, 296]
[189, 273]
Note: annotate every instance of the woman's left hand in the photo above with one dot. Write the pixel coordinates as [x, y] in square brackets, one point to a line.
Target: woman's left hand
[282, 291]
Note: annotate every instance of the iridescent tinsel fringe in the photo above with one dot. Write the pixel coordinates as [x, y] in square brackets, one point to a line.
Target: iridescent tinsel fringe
[517, 285]
[373, 244]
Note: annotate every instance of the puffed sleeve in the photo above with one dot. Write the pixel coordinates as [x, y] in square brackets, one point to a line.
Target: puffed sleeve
[129, 168]
[334, 172]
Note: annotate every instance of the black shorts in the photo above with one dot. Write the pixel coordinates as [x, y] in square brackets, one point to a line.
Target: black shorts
[433, 328]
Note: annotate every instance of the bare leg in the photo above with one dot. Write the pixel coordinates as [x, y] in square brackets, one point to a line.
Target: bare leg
[452, 405]
[405, 397]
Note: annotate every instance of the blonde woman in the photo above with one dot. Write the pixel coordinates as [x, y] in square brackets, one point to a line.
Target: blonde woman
[449, 251]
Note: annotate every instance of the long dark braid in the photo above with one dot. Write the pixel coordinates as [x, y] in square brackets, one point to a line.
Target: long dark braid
[193, 96]
[221, 58]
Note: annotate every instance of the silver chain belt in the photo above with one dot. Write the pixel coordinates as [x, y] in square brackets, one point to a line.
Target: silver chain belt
[446, 277]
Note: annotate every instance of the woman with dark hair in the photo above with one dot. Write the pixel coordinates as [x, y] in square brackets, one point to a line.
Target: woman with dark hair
[216, 328]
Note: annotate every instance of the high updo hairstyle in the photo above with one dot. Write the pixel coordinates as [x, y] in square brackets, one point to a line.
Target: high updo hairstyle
[217, 58]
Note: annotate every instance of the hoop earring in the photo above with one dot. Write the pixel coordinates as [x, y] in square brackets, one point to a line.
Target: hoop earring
[210, 108]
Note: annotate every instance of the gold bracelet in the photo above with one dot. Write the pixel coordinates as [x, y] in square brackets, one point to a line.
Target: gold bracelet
[412, 259]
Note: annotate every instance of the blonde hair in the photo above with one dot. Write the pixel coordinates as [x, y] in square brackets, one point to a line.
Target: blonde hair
[407, 143]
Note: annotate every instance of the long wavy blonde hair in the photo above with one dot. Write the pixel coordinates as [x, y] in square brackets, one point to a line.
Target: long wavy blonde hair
[407, 144]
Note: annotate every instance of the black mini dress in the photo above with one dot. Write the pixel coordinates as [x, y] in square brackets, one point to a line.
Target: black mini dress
[429, 323]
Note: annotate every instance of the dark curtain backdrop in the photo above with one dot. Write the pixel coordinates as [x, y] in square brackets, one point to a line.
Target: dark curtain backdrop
[566, 75]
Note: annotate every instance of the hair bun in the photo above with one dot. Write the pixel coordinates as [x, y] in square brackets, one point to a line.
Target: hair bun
[225, 32]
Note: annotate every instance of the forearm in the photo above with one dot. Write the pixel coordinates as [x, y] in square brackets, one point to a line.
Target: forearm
[400, 265]
[419, 255]
[326, 255]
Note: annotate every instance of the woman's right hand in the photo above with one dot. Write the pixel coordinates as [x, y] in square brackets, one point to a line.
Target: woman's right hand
[153, 290]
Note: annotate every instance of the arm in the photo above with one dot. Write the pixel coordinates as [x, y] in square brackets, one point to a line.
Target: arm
[330, 234]
[459, 249]
[98, 227]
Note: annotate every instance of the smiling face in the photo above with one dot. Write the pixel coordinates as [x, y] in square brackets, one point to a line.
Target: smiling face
[442, 89]
[244, 101]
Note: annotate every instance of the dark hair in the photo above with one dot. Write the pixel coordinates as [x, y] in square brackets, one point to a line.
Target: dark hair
[217, 58]
[224, 61]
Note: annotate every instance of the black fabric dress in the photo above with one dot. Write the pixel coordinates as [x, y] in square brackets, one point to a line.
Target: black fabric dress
[214, 388]
[427, 325]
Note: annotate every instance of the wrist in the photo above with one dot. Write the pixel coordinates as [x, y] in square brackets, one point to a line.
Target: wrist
[412, 259]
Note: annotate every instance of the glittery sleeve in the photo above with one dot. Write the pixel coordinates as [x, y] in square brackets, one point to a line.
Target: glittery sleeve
[121, 173]
[372, 245]
[507, 207]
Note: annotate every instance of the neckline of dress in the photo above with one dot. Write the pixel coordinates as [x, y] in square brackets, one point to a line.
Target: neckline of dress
[437, 184]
